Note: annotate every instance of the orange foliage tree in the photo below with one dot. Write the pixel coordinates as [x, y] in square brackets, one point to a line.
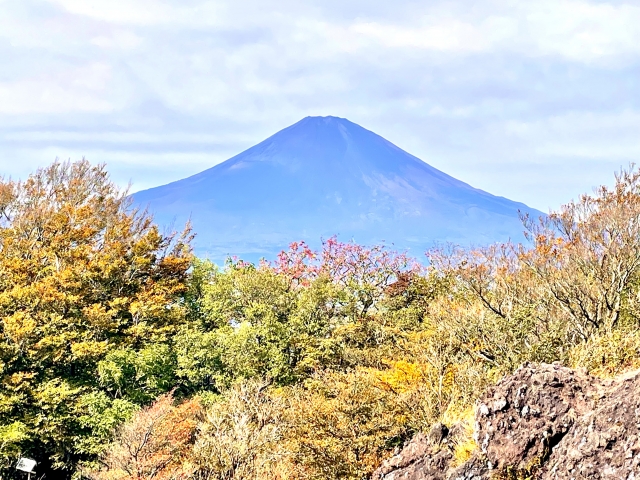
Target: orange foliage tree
[154, 444]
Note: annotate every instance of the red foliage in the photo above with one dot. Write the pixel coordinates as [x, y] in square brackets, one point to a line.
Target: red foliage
[364, 271]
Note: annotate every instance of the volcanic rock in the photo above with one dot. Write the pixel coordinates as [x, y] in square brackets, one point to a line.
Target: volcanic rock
[544, 422]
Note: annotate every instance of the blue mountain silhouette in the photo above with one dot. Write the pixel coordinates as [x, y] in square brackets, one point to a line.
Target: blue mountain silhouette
[327, 176]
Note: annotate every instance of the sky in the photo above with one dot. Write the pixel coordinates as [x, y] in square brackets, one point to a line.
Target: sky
[537, 101]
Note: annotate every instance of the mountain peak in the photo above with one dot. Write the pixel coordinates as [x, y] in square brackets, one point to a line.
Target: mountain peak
[327, 176]
[327, 119]
[325, 123]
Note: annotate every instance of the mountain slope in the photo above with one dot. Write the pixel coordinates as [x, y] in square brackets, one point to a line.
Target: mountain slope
[328, 176]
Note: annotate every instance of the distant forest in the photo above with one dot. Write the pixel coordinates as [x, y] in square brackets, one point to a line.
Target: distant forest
[123, 356]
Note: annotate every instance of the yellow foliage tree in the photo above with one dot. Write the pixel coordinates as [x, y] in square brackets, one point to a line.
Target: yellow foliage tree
[81, 273]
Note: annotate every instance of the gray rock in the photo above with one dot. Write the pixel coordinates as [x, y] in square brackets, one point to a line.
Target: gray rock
[547, 421]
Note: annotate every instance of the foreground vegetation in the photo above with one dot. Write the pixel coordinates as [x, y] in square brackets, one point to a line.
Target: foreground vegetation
[124, 357]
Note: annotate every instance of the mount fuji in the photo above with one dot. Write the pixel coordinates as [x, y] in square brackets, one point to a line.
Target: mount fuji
[326, 176]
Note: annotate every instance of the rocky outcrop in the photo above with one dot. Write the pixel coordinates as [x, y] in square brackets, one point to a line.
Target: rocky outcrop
[544, 422]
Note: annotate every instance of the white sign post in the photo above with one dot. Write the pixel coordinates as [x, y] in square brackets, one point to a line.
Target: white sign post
[26, 465]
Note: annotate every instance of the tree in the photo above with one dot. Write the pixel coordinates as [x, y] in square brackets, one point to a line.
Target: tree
[343, 424]
[240, 437]
[82, 274]
[577, 280]
[588, 254]
[363, 272]
[154, 444]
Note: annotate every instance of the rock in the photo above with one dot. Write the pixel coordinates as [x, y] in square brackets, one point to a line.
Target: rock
[542, 404]
[603, 442]
[544, 422]
[438, 433]
[414, 451]
[420, 458]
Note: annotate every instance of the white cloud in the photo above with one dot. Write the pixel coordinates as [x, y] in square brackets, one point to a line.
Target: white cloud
[122, 39]
[124, 167]
[583, 31]
[578, 30]
[582, 135]
[121, 137]
[145, 13]
[75, 90]
[140, 12]
[442, 35]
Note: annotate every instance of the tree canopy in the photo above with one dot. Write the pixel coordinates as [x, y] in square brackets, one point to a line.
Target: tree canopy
[83, 278]
[124, 357]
